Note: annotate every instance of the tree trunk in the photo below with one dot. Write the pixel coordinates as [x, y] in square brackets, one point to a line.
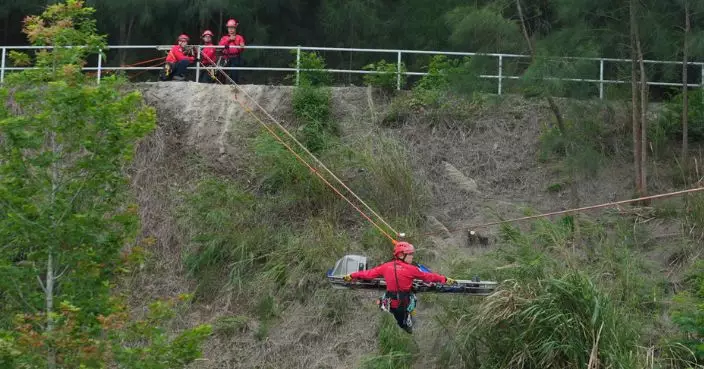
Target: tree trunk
[643, 118]
[220, 24]
[635, 105]
[524, 28]
[122, 31]
[574, 193]
[50, 275]
[49, 294]
[685, 95]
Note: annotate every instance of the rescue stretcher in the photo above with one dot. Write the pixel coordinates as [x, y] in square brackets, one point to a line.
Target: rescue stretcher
[353, 263]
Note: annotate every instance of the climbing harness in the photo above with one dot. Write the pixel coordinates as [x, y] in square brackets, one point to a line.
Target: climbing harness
[384, 303]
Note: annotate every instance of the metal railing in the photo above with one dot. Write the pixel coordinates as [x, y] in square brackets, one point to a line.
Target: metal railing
[500, 76]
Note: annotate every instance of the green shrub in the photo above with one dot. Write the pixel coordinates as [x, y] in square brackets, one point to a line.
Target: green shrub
[694, 217]
[396, 347]
[230, 325]
[669, 125]
[386, 76]
[581, 147]
[552, 325]
[311, 60]
[688, 312]
[438, 77]
[388, 180]
[312, 106]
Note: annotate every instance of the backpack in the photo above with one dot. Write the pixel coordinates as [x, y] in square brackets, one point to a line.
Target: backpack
[167, 72]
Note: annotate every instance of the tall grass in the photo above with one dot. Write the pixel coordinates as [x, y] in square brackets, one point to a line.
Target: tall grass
[388, 179]
[287, 228]
[396, 347]
[557, 323]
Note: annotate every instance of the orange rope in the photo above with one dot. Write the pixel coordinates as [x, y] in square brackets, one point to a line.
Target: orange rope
[145, 62]
[298, 157]
[575, 210]
[155, 65]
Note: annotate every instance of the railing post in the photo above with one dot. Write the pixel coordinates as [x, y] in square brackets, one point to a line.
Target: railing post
[601, 79]
[701, 82]
[501, 68]
[100, 63]
[198, 64]
[398, 71]
[298, 65]
[2, 66]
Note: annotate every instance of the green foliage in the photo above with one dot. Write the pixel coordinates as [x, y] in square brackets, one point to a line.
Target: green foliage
[694, 217]
[233, 237]
[388, 180]
[432, 87]
[221, 218]
[146, 344]
[396, 347]
[312, 106]
[280, 171]
[66, 212]
[688, 312]
[438, 77]
[310, 65]
[484, 29]
[584, 144]
[556, 324]
[230, 325]
[19, 59]
[547, 76]
[386, 76]
[668, 127]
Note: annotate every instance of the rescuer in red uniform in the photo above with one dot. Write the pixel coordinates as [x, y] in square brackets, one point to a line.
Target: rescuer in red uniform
[231, 52]
[207, 57]
[399, 274]
[180, 57]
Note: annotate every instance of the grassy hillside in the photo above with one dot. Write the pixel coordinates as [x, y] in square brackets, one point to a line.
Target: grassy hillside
[237, 221]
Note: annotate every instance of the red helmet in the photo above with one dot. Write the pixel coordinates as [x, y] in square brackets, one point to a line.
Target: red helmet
[403, 248]
[207, 32]
[231, 23]
[184, 37]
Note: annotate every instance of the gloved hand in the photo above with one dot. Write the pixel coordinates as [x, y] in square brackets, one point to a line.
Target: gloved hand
[347, 278]
[450, 281]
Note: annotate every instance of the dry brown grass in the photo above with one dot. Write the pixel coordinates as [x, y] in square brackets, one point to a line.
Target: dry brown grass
[201, 127]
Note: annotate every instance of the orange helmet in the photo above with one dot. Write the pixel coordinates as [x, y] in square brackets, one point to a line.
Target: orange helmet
[184, 37]
[231, 23]
[403, 248]
[207, 32]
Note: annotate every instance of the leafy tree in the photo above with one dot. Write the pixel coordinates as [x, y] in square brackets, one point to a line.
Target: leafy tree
[65, 214]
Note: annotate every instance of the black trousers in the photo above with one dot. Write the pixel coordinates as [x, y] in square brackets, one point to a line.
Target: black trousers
[180, 67]
[205, 76]
[401, 314]
[233, 61]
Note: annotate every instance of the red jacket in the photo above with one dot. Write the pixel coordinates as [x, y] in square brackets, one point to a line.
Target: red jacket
[207, 52]
[405, 273]
[176, 55]
[230, 51]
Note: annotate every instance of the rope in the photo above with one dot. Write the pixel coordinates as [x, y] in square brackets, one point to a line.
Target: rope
[299, 158]
[144, 71]
[379, 217]
[575, 210]
[145, 61]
